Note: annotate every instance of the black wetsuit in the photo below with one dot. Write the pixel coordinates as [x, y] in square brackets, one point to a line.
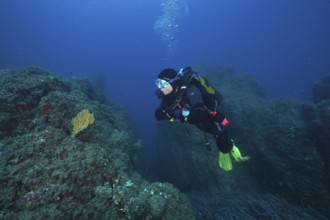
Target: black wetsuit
[199, 114]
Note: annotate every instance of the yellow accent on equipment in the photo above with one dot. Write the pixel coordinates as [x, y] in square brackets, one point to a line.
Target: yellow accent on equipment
[209, 89]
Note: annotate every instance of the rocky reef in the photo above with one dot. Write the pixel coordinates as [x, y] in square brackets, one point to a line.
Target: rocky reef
[288, 140]
[48, 173]
[321, 90]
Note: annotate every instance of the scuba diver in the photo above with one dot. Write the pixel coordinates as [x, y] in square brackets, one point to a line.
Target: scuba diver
[187, 96]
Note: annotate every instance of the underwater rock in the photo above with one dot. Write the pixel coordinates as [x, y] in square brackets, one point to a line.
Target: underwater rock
[308, 112]
[45, 173]
[321, 90]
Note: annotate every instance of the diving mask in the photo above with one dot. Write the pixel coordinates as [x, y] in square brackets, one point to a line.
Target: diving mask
[160, 83]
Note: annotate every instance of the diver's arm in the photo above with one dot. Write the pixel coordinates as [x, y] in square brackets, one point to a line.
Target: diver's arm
[161, 113]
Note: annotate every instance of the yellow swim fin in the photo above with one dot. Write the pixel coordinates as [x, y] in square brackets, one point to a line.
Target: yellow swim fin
[237, 155]
[225, 161]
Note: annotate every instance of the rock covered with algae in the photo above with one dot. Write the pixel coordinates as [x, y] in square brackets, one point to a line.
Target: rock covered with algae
[45, 173]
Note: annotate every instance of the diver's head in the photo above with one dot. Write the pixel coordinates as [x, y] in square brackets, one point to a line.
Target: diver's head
[167, 81]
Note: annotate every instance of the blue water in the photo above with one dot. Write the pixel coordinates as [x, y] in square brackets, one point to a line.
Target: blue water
[285, 44]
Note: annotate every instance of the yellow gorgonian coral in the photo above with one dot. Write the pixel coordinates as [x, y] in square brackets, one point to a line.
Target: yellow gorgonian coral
[81, 121]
